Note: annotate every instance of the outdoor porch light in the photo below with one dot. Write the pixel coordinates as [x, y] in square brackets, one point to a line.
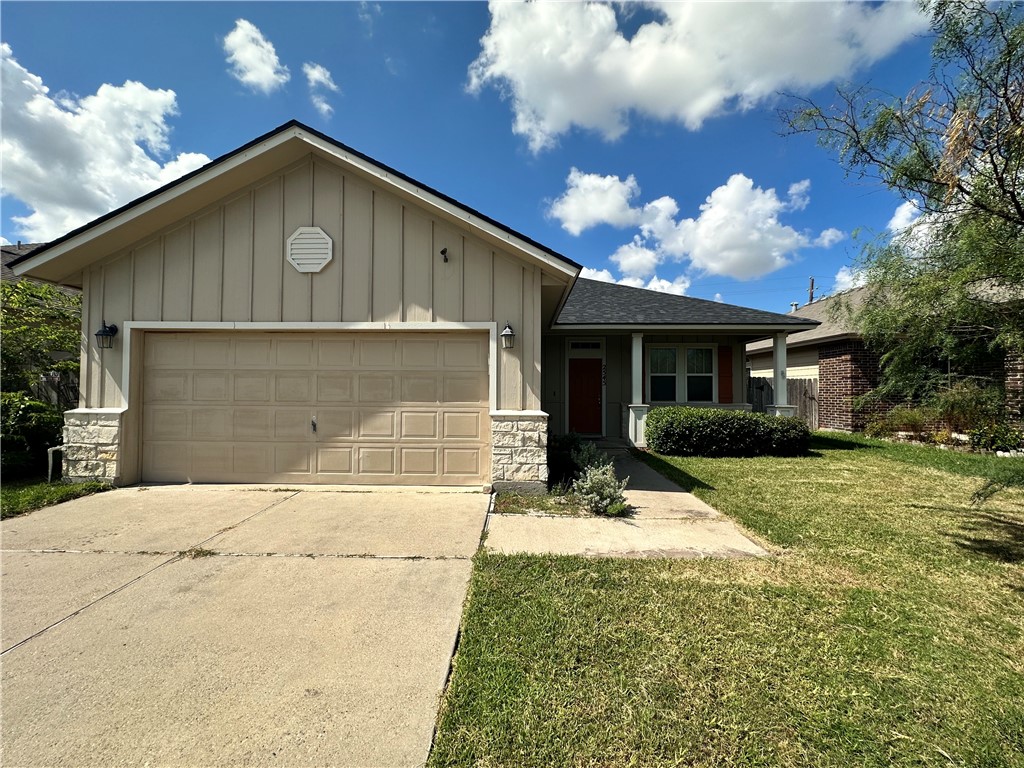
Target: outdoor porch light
[508, 337]
[105, 335]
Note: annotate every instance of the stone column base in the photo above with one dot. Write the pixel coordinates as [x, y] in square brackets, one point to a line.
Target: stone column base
[782, 410]
[519, 451]
[92, 438]
[637, 422]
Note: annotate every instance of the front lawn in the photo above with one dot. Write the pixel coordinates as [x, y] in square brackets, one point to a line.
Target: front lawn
[20, 496]
[889, 630]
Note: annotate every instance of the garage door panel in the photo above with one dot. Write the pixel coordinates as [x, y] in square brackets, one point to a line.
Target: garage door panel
[375, 388]
[167, 387]
[212, 424]
[293, 388]
[210, 386]
[389, 408]
[419, 425]
[335, 461]
[377, 460]
[334, 387]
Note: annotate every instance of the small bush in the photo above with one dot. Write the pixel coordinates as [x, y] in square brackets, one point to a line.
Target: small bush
[966, 405]
[27, 428]
[588, 455]
[685, 431]
[599, 492]
[915, 420]
[997, 437]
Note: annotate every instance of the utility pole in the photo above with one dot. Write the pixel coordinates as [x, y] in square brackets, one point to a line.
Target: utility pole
[810, 292]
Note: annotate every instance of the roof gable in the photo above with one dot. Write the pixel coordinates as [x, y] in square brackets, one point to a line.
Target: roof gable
[596, 303]
[68, 254]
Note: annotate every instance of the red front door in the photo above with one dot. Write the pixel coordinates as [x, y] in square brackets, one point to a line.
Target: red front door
[585, 395]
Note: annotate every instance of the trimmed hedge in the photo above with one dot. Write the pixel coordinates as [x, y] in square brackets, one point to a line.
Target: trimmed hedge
[684, 431]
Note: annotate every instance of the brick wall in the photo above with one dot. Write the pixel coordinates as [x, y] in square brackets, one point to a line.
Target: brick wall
[846, 369]
[1014, 383]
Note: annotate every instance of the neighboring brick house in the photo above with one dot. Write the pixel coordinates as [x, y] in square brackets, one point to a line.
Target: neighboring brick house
[845, 368]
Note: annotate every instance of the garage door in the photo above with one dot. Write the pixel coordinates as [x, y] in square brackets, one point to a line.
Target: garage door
[373, 408]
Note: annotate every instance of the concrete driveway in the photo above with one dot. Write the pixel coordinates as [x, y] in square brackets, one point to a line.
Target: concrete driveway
[297, 628]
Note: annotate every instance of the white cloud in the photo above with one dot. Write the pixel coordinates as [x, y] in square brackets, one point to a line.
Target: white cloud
[367, 15]
[319, 79]
[4, 240]
[847, 278]
[590, 199]
[597, 274]
[568, 64]
[635, 259]
[829, 237]
[72, 159]
[737, 233]
[904, 215]
[253, 60]
[678, 286]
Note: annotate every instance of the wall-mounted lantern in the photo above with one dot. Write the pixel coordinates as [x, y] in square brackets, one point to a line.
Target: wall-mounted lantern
[508, 337]
[105, 336]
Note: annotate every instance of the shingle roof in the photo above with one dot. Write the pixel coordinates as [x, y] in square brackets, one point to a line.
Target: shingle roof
[598, 303]
[819, 310]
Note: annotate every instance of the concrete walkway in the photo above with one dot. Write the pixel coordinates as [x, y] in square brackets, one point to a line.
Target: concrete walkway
[668, 522]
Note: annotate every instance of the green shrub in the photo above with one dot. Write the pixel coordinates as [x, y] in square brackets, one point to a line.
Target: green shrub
[599, 492]
[27, 428]
[997, 437]
[966, 405]
[685, 431]
[916, 420]
[587, 455]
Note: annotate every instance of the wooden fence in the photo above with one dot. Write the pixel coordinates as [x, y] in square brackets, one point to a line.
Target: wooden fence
[803, 393]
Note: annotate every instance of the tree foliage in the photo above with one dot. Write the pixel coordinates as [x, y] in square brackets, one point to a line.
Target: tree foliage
[948, 290]
[39, 333]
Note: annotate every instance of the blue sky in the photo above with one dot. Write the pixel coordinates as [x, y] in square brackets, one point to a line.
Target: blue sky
[660, 109]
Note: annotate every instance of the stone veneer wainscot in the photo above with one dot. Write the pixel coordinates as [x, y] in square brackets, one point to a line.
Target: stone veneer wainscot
[91, 444]
[519, 454]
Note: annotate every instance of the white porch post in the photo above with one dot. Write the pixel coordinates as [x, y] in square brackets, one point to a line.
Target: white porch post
[637, 369]
[637, 409]
[782, 406]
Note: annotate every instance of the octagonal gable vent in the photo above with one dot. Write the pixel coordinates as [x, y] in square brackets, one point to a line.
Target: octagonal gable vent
[309, 249]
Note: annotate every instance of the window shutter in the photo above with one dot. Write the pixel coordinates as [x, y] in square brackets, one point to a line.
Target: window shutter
[725, 374]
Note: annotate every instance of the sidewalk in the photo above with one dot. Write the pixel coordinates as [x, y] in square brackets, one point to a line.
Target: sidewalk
[669, 522]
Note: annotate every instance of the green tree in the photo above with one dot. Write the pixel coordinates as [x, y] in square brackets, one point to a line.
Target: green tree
[949, 290]
[39, 334]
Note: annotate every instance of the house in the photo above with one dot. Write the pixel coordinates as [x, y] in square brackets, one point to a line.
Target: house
[835, 355]
[297, 312]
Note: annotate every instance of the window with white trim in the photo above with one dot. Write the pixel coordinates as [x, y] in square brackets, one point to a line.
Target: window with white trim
[679, 373]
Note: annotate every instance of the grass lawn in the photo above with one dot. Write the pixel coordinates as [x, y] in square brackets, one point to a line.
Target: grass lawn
[889, 630]
[20, 496]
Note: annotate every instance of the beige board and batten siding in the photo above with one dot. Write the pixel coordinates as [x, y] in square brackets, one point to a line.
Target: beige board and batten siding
[227, 263]
[801, 363]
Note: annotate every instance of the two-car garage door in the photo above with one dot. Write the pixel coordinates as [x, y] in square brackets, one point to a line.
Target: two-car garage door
[376, 408]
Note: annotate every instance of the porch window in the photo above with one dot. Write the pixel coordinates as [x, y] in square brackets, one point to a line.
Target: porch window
[663, 375]
[700, 375]
[679, 373]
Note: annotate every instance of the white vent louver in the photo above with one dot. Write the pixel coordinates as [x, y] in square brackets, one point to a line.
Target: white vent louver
[309, 249]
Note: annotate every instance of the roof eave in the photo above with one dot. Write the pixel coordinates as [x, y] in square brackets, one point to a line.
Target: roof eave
[755, 328]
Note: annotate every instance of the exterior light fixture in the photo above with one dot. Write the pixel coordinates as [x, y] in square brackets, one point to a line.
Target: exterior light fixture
[105, 336]
[444, 253]
[508, 337]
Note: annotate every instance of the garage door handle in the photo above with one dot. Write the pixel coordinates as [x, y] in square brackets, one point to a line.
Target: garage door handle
[313, 425]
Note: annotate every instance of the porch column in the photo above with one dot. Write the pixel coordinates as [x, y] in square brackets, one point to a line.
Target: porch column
[782, 406]
[779, 349]
[637, 369]
[637, 409]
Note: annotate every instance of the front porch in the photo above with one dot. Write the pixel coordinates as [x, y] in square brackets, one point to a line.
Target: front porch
[603, 384]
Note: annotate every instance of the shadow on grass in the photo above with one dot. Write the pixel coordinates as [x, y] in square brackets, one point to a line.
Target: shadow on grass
[992, 535]
[839, 443]
[683, 479]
